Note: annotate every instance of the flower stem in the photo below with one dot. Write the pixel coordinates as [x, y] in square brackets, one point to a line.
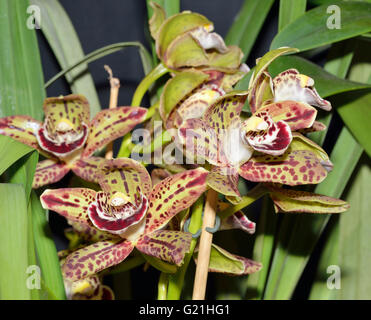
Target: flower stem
[150, 78]
[162, 286]
[115, 86]
[253, 195]
[176, 280]
[202, 269]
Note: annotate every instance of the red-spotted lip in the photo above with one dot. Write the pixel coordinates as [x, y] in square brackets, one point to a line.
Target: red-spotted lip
[61, 149]
[116, 226]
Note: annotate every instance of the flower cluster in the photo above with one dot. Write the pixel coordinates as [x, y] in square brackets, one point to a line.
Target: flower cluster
[257, 134]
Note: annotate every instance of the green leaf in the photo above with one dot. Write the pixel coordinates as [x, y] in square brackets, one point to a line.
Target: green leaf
[311, 30]
[102, 52]
[11, 151]
[247, 25]
[13, 232]
[21, 77]
[46, 250]
[62, 37]
[290, 11]
[325, 83]
[160, 265]
[23, 171]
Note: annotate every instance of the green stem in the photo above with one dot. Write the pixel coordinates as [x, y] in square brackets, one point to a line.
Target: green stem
[253, 195]
[176, 280]
[150, 78]
[162, 286]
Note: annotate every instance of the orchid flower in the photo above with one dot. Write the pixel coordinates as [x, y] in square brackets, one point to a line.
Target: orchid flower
[68, 138]
[229, 144]
[129, 209]
[186, 40]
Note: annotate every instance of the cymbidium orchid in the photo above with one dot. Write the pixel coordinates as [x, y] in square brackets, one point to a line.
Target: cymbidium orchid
[186, 40]
[228, 143]
[131, 211]
[68, 137]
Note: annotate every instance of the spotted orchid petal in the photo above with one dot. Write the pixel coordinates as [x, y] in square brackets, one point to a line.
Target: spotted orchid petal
[65, 128]
[222, 261]
[157, 19]
[49, 171]
[22, 129]
[302, 201]
[301, 142]
[291, 85]
[265, 135]
[118, 215]
[297, 115]
[177, 25]
[157, 175]
[201, 142]
[87, 168]
[291, 168]
[71, 203]
[111, 124]
[237, 220]
[224, 180]
[226, 110]
[223, 80]
[261, 92]
[90, 260]
[195, 105]
[124, 175]
[167, 245]
[178, 89]
[173, 195]
[317, 126]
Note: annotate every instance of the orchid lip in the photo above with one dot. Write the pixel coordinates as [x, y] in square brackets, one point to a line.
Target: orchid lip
[116, 219]
[65, 146]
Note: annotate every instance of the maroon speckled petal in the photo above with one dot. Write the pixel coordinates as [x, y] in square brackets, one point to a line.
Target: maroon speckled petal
[49, 171]
[94, 258]
[88, 168]
[61, 149]
[167, 245]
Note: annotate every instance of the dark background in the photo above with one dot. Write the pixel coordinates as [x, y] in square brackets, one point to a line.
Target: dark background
[99, 23]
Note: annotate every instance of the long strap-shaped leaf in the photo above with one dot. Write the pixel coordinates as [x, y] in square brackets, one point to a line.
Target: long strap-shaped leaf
[317, 27]
[102, 52]
[21, 77]
[62, 38]
[290, 11]
[247, 24]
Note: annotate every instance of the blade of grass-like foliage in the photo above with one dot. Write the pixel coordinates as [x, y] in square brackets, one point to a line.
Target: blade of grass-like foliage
[338, 61]
[247, 25]
[46, 250]
[354, 252]
[11, 151]
[13, 232]
[263, 250]
[21, 77]
[315, 28]
[62, 38]
[102, 52]
[289, 11]
[290, 258]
